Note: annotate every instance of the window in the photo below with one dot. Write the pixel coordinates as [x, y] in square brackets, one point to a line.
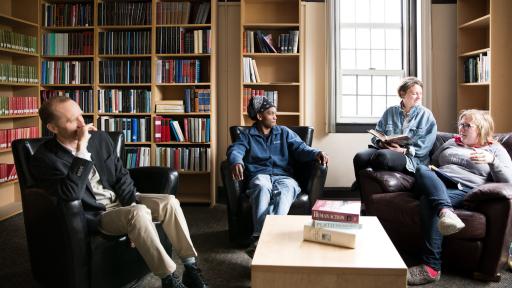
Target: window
[371, 50]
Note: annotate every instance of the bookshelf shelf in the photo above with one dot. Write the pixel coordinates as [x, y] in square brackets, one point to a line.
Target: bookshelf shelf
[67, 28]
[271, 84]
[19, 116]
[481, 22]
[19, 53]
[124, 84]
[181, 143]
[18, 84]
[66, 85]
[185, 25]
[475, 52]
[67, 56]
[270, 25]
[271, 54]
[13, 21]
[125, 27]
[5, 150]
[184, 84]
[475, 84]
[123, 114]
[8, 182]
[10, 210]
[127, 56]
[138, 143]
[184, 114]
[183, 55]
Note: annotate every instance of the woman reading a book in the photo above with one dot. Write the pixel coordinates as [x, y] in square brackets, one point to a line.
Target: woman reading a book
[409, 119]
[470, 159]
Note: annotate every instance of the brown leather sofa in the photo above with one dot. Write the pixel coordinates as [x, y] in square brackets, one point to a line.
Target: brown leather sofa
[480, 249]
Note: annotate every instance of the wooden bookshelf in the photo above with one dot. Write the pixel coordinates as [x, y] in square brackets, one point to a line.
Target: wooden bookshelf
[195, 187]
[279, 71]
[15, 17]
[484, 27]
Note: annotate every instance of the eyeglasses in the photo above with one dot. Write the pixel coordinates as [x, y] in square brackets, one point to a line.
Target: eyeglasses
[465, 125]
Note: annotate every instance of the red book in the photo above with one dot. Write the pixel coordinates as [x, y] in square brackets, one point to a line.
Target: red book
[336, 211]
[158, 128]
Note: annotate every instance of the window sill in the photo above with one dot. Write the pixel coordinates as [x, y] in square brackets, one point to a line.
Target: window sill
[353, 128]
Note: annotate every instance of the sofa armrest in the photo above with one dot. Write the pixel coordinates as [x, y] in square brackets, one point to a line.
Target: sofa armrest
[316, 183]
[153, 179]
[232, 188]
[76, 241]
[490, 191]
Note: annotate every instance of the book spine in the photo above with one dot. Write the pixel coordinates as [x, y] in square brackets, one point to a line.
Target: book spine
[331, 237]
[336, 217]
[336, 225]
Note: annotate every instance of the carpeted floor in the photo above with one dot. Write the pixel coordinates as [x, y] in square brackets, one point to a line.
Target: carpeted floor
[223, 264]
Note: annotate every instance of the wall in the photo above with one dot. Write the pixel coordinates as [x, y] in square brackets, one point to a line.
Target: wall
[340, 147]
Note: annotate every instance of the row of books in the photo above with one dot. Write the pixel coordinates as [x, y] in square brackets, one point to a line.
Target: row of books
[178, 71]
[18, 73]
[335, 222]
[478, 69]
[182, 12]
[195, 130]
[18, 105]
[9, 135]
[124, 13]
[17, 41]
[134, 129]
[194, 100]
[251, 74]
[125, 42]
[84, 98]
[248, 93]
[184, 159]
[177, 40]
[66, 72]
[73, 43]
[124, 101]
[7, 172]
[67, 15]
[137, 157]
[262, 42]
[125, 71]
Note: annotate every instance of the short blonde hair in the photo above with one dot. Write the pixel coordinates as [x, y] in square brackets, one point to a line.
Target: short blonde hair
[483, 122]
[407, 83]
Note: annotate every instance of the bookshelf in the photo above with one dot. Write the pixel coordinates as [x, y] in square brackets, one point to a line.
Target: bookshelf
[484, 61]
[279, 69]
[132, 42]
[19, 90]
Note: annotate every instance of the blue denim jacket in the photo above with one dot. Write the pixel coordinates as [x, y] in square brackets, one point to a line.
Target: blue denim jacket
[421, 127]
[271, 156]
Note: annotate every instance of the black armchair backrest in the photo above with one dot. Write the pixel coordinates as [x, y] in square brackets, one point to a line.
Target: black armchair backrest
[305, 132]
[23, 149]
[504, 139]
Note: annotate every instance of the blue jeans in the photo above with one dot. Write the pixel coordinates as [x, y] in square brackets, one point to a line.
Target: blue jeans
[434, 197]
[270, 195]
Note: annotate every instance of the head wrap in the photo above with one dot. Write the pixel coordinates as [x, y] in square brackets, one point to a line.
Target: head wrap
[258, 104]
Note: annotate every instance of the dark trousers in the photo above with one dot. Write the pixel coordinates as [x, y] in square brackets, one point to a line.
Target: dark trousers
[379, 159]
[433, 197]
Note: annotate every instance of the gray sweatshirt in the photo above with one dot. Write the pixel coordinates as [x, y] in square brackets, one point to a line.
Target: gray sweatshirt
[454, 160]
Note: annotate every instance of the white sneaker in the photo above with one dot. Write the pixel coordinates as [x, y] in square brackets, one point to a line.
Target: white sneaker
[449, 223]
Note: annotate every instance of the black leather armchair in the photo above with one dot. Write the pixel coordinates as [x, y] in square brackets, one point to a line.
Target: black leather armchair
[63, 253]
[310, 176]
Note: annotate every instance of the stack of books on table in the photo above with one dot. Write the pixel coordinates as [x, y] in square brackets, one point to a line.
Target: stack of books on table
[334, 222]
[170, 106]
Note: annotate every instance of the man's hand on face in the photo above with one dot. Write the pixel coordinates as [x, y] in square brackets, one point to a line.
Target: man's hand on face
[237, 171]
[322, 158]
[83, 136]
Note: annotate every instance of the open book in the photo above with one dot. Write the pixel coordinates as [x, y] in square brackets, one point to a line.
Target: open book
[401, 140]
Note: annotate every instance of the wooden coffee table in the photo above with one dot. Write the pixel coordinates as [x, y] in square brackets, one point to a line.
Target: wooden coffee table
[284, 259]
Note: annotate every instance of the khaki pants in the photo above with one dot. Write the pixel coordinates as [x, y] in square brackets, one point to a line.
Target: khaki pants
[137, 222]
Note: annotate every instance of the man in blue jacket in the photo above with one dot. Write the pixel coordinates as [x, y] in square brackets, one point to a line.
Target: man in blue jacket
[263, 153]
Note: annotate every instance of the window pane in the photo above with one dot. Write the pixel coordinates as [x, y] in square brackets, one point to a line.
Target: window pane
[348, 38]
[347, 11]
[364, 85]
[393, 39]
[376, 11]
[348, 59]
[364, 106]
[393, 11]
[363, 38]
[379, 86]
[362, 11]
[378, 106]
[363, 59]
[348, 85]
[393, 100]
[348, 105]
[378, 59]
[378, 39]
[393, 59]
[392, 83]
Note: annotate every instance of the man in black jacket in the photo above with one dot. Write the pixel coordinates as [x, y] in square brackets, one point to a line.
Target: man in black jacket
[80, 163]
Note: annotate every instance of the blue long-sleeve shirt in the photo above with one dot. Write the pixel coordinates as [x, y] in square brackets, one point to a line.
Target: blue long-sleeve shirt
[269, 155]
[421, 127]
